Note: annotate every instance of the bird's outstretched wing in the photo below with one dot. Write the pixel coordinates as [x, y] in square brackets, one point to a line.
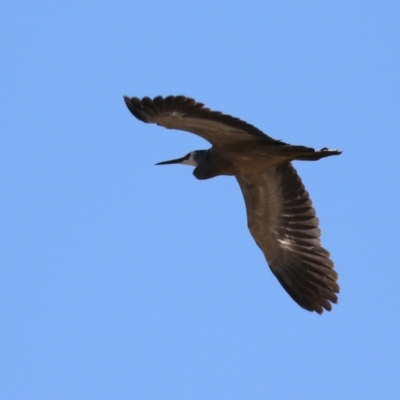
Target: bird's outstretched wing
[184, 113]
[282, 221]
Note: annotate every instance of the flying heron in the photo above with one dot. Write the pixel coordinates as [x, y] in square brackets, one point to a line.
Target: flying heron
[280, 214]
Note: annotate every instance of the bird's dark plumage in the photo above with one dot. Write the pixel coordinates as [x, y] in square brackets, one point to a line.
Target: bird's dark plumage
[280, 215]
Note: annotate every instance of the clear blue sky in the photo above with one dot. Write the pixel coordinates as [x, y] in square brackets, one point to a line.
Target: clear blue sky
[122, 280]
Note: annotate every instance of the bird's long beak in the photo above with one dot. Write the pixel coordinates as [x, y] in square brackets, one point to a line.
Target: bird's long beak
[176, 161]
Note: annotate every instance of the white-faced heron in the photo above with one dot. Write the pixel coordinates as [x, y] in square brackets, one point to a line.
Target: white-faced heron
[280, 214]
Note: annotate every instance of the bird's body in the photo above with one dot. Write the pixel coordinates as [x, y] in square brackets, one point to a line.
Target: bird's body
[279, 211]
[243, 158]
[240, 158]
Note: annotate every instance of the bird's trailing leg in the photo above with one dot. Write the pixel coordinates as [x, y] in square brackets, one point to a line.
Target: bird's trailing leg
[306, 153]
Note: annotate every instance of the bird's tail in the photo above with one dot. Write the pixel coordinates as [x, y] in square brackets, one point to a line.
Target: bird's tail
[306, 153]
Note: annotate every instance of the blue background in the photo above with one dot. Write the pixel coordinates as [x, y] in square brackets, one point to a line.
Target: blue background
[122, 280]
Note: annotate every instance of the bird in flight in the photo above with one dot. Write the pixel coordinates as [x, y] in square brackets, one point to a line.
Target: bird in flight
[280, 214]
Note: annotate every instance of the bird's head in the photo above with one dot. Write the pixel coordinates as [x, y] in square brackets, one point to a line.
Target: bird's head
[200, 159]
[193, 158]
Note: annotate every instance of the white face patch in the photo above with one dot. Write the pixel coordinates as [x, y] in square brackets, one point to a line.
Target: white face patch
[190, 160]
